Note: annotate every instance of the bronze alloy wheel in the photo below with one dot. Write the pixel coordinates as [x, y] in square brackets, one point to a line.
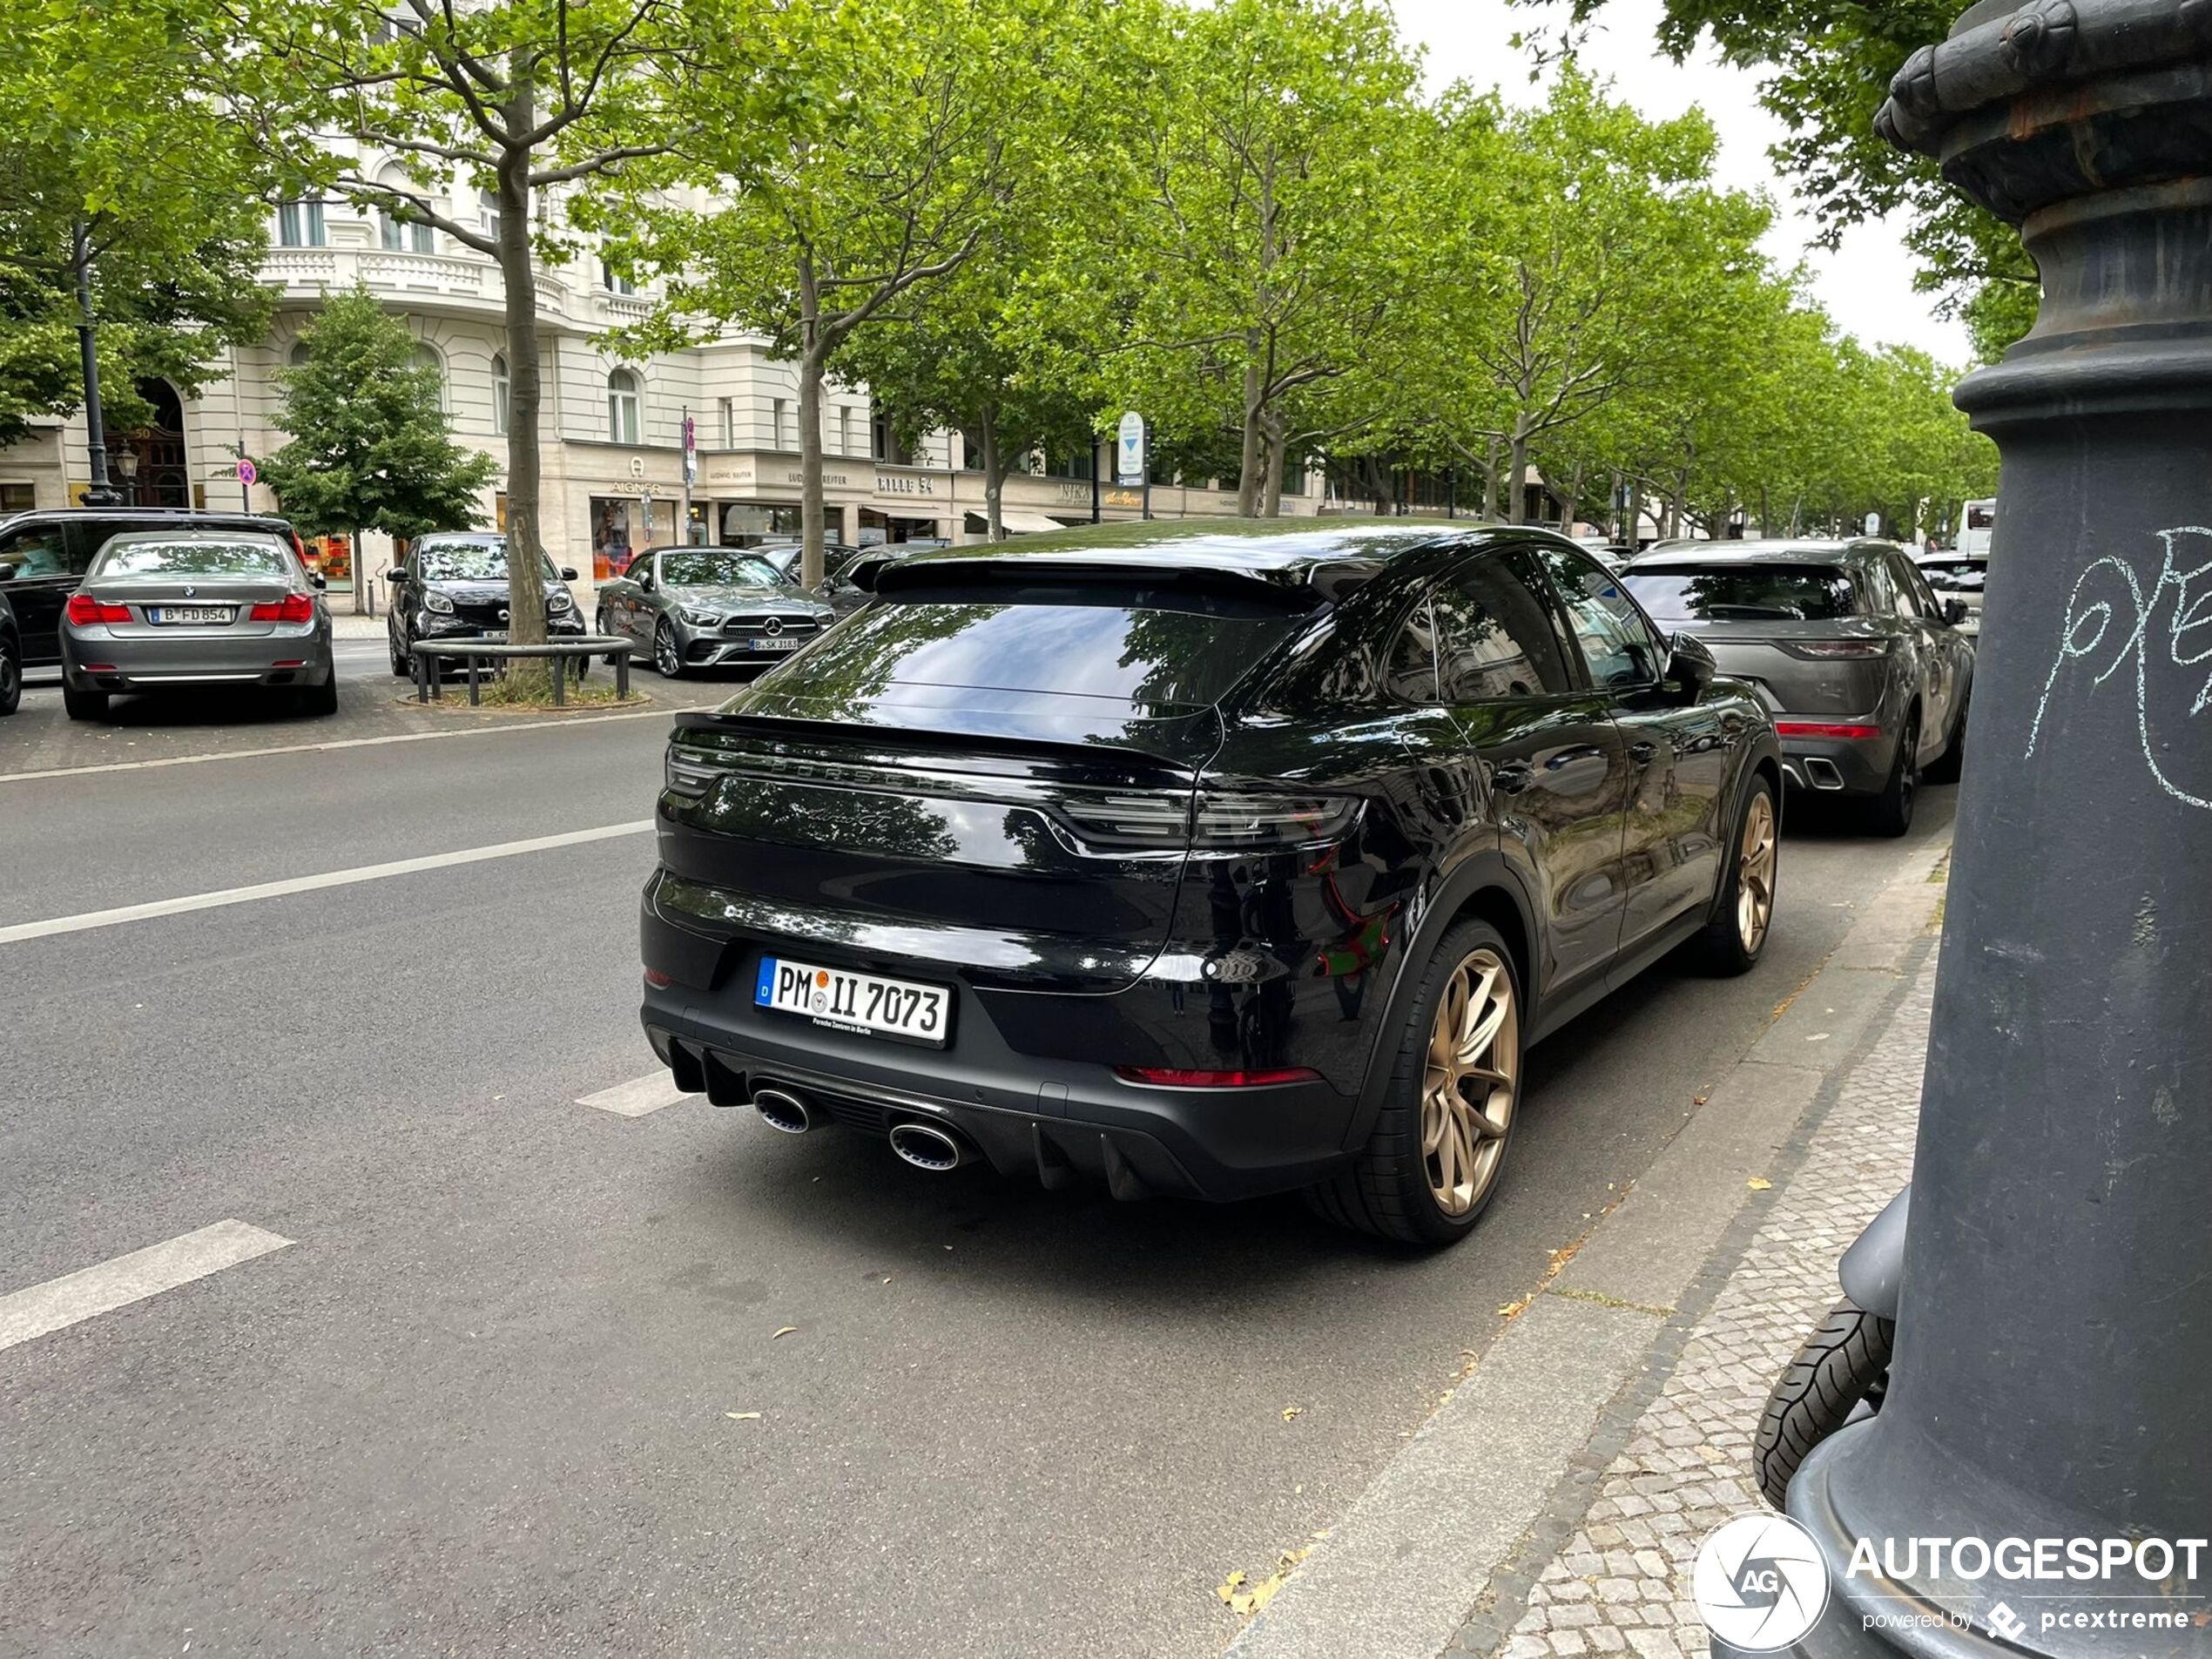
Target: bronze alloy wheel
[1471, 1086]
[1754, 873]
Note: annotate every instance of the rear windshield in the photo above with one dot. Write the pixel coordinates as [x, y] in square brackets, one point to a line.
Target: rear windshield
[469, 562]
[193, 558]
[1133, 648]
[1745, 592]
[719, 570]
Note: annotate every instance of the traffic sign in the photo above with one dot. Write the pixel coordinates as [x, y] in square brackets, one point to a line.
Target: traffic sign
[246, 472]
[1129, 466]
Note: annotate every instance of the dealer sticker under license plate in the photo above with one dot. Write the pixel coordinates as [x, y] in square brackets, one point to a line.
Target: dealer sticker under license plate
[858, 1002]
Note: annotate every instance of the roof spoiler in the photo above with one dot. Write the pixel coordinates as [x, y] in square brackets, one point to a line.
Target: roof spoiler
[1331, 581]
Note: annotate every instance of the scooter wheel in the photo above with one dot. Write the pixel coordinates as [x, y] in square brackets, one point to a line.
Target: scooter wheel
[1842, 1366]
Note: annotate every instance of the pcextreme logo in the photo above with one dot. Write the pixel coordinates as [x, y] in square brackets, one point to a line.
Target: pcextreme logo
[1759, 1582]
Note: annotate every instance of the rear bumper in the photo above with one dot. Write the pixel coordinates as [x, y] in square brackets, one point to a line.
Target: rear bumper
[104, 660]
[1838, 767]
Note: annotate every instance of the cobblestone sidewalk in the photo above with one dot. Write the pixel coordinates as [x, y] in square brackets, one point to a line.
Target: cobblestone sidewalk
[1619, 1584]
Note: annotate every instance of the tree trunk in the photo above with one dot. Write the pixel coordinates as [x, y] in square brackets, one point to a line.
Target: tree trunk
[525, 514]
[1517, 505]
[1572, 502]
[993, 474]
[1271, 445]
[813, 366]
[1490, 482]
[1248, 464]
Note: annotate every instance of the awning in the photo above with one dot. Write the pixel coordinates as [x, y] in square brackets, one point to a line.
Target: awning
[1028, 523]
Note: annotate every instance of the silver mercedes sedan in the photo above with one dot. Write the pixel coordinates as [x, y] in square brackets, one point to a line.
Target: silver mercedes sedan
[168, 607]
[709, 607]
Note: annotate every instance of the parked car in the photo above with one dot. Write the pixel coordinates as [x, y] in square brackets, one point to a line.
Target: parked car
[10, 652]
[454, 585]
[1205, 858]
[1957, 576]
[1865, 670]
[847, 572]
[50, 549]
[161, 608]
[709, 607]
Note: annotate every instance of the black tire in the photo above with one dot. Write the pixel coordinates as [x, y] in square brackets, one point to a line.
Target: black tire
[1890, 813]
[10, 675]
[403, 660]
[668, 660]
[1721, 948]
[318, 700]
[84, 706]
[1952, 760]
[1385, 1191]
[1843, 1365]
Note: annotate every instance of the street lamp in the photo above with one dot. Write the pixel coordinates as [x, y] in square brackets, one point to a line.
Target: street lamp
[2052, 1376]
[126, 469]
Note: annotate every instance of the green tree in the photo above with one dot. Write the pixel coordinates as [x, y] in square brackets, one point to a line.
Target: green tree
[904, 132]
[127, 200]
[370, 446]
[1828, 66]
[1258, 169]
[492, 109]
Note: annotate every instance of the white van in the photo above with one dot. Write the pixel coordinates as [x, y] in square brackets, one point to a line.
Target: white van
[1974, 534]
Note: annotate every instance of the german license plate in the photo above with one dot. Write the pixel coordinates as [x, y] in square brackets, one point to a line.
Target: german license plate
[216, 616]
[776, 643]
[856, 1003]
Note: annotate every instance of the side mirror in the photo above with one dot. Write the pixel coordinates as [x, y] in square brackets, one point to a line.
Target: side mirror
[568, 573]
[315, 579]
[1955, 611]
[644, 580]
[1690, 666]
[7, 572]
[397, 573]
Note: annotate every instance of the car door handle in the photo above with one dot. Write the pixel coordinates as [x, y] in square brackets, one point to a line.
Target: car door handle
[1514, 778]
[1644, 753]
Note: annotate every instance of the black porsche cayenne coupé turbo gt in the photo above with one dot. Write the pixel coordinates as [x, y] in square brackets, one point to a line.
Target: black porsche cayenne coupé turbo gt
[1213, 859]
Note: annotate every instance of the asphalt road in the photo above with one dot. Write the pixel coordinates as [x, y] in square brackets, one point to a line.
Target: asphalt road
[482, 1402]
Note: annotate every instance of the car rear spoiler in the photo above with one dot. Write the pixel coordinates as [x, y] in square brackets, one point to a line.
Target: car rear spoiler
[1294, 587]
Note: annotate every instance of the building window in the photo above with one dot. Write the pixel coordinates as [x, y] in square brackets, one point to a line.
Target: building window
[614, 281]
[300, 224]
[780, 413]
[845, 428]
[500, 392]
[398, 226]
[487, 212]
[299, 358]
[728, 410]
[426, 357]
[621, 407]
[883, 440]
[18, 498]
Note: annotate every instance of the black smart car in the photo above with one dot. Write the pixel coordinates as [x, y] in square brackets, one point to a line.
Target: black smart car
[1214, 858]
[453, 585]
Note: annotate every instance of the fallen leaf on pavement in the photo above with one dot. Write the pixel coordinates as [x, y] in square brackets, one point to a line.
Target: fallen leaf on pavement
[1760, 1184]
[1291, 1413]
[742, 1417]
[785, 1332]
[1227, 1588]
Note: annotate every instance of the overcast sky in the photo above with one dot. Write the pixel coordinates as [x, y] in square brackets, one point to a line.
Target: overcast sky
[1866, 284]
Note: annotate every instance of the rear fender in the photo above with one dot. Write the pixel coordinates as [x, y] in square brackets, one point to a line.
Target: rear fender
[1440, 906]
[1872, 1270]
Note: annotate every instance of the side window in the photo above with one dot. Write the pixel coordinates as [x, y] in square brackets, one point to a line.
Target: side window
[36, 550]
[1412, 677]
[1494, 642]
[1901, 579]
[1616, 642]
[1930, 606]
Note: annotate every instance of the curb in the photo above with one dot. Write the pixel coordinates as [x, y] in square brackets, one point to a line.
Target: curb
[1438, 1553]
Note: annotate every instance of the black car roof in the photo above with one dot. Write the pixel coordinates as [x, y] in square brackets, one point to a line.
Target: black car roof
[1802, 552]
[1327, 555]
[152, 518]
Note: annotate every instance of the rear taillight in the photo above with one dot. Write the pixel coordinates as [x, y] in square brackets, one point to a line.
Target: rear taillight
[83, 608]
[1210, 820]
[657, 981]
[294, 607]
[1831, 650]
[1816, 728]
[1171, 1077]
[691, 772]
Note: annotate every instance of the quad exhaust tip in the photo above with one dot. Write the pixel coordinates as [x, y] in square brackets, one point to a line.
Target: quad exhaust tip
[927, 1147]
[782, 1110]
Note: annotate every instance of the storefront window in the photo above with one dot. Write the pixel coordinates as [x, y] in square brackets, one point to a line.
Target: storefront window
[745, 522]
[611, 546]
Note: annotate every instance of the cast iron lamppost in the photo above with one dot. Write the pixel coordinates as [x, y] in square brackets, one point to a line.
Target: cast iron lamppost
[100, 493]
[2054, 1369]
[126, 469]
